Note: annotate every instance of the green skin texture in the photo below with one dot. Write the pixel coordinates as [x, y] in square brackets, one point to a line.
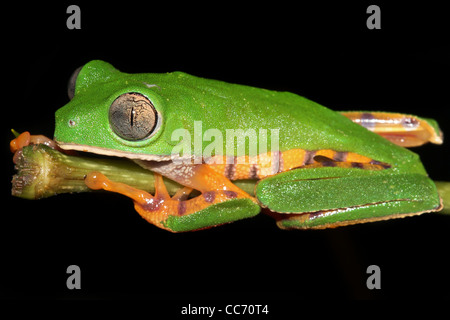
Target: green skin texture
[181, 99]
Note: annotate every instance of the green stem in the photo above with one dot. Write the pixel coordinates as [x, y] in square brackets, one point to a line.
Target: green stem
[44, 172]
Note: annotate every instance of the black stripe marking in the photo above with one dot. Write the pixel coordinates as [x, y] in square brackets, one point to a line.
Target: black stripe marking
[209, 196]
[230, 168]
[409, 122]
[154, 205]
[309, 157]
[368, 120]
[230, 194]
[382, 164]
[340, 156]
[328, 163]
[357, 165]
[181, 208]
[253, 174]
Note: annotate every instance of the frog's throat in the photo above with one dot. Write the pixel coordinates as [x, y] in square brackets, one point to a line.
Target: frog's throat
[115, 153]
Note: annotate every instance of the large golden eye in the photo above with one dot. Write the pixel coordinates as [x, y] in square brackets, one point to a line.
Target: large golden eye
[132, 116]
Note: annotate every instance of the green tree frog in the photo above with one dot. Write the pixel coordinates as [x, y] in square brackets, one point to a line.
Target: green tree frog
[314, 167]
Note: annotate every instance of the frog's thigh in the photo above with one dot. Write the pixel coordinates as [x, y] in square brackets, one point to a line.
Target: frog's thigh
[330, 197]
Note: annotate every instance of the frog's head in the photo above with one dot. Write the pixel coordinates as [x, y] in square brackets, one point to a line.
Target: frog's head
[114, 113]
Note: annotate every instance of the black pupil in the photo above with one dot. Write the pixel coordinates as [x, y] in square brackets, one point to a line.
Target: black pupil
[132, 116]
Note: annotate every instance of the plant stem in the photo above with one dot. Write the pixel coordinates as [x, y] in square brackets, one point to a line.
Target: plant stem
[44, 172]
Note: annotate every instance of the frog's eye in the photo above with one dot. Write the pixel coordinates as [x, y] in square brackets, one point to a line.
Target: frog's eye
[132, 116]
[72, 83]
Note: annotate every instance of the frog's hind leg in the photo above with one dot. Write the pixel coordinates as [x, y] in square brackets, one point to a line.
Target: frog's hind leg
[218, 204]
[402, 129]
[328, 197]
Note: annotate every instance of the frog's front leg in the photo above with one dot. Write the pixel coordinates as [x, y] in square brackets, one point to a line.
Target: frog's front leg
[25, 138]
[220, 201]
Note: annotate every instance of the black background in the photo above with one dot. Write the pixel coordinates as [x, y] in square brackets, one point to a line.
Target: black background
[324, 52]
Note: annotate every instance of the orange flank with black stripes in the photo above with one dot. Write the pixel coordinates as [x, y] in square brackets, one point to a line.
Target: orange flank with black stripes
[270, 163]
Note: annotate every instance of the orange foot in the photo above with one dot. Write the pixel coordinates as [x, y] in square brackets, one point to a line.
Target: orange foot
[159, 208]
[25, 139]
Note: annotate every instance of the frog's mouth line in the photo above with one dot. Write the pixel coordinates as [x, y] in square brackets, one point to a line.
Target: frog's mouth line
[113, 153]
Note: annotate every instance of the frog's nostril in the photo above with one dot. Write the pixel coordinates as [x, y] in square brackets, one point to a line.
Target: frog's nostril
[72, 123]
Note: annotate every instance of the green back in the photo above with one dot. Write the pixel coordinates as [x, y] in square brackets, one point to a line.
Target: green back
[182, 99]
